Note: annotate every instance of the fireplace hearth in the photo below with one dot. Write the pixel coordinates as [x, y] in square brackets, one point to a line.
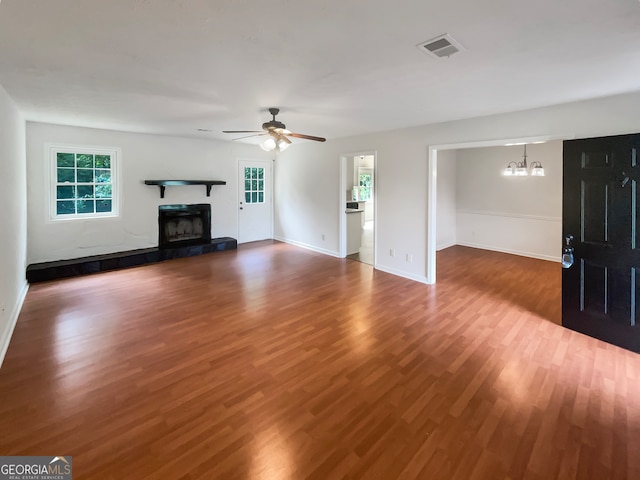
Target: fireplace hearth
[182, 225]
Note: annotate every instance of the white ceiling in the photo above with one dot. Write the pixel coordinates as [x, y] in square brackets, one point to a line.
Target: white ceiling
[334, 67]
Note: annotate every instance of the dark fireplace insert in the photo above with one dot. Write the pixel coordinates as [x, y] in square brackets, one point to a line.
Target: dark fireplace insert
[180, 225]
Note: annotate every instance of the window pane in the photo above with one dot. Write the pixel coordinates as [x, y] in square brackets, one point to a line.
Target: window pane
[261, 185]
[85, 161]
[86, 206]
[85, 175]
[65, 192]
[261, 173]
[247, 185]
[254, 197]
[247, 172]
[85, 191]
[103, 161]
[103, 191]
[247, 197]
[365, 180]
[84, 182]
[103, 176]
[254, 173]
[65, 208]
[261, 197]
[65, 159]
[254, 185]
[103, 205]
[66, 175]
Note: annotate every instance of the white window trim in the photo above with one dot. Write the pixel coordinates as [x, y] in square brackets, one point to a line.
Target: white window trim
[51, 150]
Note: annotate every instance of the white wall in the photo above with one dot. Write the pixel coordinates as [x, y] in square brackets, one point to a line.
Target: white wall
[520, 215]
[143, 157]
[446, 200]
[307, 175]
[13, 234]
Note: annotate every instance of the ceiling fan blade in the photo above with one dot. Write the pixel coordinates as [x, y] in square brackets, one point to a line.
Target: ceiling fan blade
[242, 131]
[286, 140]
[249, 136]
[307, 137]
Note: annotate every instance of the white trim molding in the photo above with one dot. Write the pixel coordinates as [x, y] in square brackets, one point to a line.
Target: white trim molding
[5, 336]
[306, 246]
[510, 215]
[400, 273]
[511, 252]
[532, 236]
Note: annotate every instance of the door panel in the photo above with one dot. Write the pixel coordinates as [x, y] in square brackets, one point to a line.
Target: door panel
[600, 290]
[594, 280]
[594, 226]
[255, 201]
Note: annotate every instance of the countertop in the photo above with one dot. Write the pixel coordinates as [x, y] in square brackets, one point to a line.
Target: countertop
[354, 210]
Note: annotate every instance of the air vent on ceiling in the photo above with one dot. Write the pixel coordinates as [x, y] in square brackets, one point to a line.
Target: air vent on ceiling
[442, 46]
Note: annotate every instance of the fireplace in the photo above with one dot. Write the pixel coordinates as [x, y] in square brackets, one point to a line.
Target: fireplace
[180, 225]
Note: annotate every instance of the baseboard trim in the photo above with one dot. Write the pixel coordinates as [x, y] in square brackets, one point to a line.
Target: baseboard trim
[400, 273]
[538, 256]
[445, 245]
[307, 246]
[5, 336]
[392, 271]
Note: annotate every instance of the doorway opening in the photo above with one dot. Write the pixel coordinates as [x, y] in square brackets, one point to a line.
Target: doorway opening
[486, 215]
[358, 207]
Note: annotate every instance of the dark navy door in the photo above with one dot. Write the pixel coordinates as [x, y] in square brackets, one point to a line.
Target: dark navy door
[600, 225]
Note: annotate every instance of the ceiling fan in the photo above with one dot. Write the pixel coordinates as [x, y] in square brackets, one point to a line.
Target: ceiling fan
[277, 134]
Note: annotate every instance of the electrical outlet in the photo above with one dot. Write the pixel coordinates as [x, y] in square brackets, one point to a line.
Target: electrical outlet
[323, 236]
[409, 258]
[392, 252]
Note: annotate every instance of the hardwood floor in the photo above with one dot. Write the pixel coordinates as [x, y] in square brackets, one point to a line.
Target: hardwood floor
[273, 362]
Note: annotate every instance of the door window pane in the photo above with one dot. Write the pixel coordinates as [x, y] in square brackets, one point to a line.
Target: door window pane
[253, 187]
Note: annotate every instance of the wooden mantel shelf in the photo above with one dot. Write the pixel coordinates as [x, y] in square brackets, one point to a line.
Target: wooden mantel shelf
[164, 183]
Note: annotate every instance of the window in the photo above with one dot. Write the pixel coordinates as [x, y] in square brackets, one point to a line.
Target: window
[254, 185]
[83, 182]
[365, 185]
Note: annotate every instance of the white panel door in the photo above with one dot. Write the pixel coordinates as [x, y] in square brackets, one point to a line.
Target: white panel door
[255, 214]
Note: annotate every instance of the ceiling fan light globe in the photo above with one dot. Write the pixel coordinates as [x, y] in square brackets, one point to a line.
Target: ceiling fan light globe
[268, 145]
[282, 145]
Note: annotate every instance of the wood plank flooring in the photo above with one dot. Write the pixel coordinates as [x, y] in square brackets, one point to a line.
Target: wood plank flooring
[273, 362]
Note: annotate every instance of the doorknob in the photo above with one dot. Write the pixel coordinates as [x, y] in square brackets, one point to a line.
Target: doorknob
[567, 252]
[625, 179]
[241, 208]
